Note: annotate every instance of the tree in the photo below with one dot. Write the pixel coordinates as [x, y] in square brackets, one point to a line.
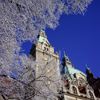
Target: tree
[21, 20]
[31, 85]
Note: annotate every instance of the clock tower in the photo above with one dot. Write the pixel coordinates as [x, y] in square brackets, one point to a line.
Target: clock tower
[43, 51]
[47, 63]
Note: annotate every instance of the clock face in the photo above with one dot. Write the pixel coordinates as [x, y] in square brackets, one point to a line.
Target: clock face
[81, 82]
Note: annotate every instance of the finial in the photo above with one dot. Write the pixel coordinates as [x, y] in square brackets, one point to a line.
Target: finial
[87, 67]
[42, 30]
[64, 53]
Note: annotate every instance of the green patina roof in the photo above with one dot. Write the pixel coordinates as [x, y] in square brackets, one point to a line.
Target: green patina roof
[65, 56]
[42, 30]
[41, 39]
[72, 71]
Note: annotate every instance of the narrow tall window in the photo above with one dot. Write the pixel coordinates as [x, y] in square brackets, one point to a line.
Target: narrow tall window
[91, 95]
[44, 48]
[74, 90]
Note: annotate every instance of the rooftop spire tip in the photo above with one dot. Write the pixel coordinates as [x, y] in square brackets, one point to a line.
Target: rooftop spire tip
[87, 67]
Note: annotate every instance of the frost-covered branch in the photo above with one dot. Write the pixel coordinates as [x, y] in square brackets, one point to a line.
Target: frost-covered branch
[20, 21]
[34, 84]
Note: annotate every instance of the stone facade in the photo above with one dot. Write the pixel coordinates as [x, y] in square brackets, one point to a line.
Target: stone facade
[76, 86]
[43, 52]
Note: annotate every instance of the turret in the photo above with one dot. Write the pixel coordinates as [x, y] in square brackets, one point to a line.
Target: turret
[66, 61]
[89, 73]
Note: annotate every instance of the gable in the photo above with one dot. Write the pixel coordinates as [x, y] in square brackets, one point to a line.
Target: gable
[46, 43]
[78, 75]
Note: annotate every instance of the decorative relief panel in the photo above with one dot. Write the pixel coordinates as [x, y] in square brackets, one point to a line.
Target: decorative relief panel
[74, 82]
[89, 87]
[81, 82]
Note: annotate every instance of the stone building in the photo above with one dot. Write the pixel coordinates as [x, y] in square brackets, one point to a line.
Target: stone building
[43, 52]
[76, 84]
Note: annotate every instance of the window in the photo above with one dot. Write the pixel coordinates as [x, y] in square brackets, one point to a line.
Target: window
[44, 48]
[74, 90]
[45, 44]
[43, 33]
[47, 49]
[91, 95]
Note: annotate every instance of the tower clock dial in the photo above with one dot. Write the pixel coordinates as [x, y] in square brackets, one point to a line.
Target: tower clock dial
[81, 82]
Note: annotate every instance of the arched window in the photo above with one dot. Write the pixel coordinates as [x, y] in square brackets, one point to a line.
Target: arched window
[74, 90]
[91, 95]
[46, 47]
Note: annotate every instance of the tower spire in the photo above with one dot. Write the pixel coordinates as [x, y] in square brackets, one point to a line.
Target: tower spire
[87, 67]
[64, 53]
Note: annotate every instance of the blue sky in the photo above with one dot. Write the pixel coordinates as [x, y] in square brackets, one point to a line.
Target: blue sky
[79, 36]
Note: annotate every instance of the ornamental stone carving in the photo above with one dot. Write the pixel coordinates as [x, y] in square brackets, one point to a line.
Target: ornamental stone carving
[74, 82]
